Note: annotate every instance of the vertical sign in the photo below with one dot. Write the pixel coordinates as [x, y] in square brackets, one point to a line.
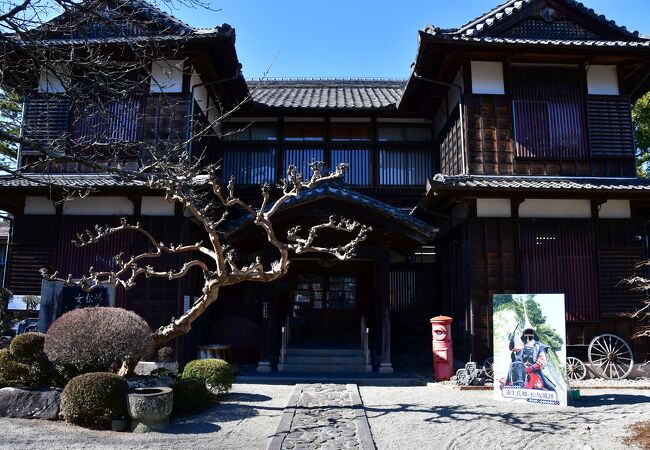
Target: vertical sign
[530, 349]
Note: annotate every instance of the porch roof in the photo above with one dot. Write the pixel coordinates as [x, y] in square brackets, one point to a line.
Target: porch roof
[542, 184]
[420, 230]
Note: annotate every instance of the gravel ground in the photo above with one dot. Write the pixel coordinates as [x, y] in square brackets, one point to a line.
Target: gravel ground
[244, 420]
[438, 416]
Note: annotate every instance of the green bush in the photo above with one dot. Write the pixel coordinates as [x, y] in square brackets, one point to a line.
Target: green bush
[215, 373]
[12, 372]
[27, 347]
[190, 395]
[92, 400]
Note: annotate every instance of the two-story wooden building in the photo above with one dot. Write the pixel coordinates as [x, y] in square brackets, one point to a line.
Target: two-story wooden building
[506, 163]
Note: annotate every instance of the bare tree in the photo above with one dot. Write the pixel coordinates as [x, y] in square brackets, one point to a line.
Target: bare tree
[99, 53]
[222, 268]
[641, 283]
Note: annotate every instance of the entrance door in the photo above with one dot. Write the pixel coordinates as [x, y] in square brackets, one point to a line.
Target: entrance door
[325, 310]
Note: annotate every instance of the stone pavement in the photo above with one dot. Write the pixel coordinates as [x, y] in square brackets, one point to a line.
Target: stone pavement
[323, 416]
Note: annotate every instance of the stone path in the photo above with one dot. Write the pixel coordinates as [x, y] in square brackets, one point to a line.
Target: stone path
[323, 416]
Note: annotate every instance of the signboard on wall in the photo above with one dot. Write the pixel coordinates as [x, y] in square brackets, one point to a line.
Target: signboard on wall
[57, 299]
[530, 349]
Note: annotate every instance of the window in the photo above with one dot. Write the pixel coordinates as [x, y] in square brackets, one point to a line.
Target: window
[249, 166]
[548, 111]
[358, 172]
[353, 133]
[249, 132]
[304, 132]
[404, 134]
[404, 167]
[301, 158]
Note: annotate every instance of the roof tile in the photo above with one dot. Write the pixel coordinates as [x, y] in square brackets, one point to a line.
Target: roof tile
[327, 93]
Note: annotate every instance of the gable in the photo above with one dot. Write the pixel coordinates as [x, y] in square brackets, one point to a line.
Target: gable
[112, 18]
[545, 19]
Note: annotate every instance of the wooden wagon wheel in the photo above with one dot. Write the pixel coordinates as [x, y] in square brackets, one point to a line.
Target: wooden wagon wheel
[488, 367]
[575, 369]
[610, 357]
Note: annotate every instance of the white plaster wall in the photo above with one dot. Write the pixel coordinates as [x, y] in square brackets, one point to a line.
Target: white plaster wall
[39, 205]
[615, 209]
[493, 207]
[167, 76]
[602, 80]
[200, 92]
[156, 206]
[51, 81]
[487, 77]
[555, 209]
[99, 206]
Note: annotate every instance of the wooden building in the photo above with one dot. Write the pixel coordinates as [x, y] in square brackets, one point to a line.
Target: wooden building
[504, 164]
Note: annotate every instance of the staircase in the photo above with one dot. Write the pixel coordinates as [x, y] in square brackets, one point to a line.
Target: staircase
[325, 360]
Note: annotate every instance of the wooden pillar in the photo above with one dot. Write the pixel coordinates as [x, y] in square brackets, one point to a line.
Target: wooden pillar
[383, 286]
[267, 306]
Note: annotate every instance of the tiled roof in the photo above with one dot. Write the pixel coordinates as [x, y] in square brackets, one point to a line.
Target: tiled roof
[71, 181]
[538, 183]
[336, 191]
[327, 93]
[546, 42]
[507, 9]
[222, 31]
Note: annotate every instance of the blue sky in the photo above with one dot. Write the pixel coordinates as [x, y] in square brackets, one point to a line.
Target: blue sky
[354, 38]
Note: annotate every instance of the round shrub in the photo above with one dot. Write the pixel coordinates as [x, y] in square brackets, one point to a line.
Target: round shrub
[190, 395]
[92, 400]
[27, 347]
[215, 373]
[98, 339]
[12, 372]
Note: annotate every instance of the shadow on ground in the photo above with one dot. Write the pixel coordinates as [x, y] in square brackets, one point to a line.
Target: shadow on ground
[575, 417]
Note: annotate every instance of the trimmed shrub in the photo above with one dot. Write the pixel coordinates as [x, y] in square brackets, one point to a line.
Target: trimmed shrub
[190, 395]
[215, 373]
[27, 347]
[92, 400]
[12, 372]
[166, 354]
[98, 339]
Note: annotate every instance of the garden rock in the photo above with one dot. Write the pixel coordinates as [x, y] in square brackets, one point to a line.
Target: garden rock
[30, 403]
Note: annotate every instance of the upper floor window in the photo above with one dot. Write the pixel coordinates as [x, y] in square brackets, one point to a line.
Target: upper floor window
[548, 111]
[304, 132]
[404, 134]
[249, 132]
[350, 133]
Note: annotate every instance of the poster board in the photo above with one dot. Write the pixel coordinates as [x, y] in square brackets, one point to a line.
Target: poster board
[529, 341]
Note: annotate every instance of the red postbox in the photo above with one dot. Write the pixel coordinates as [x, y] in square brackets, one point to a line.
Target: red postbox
[443, 348]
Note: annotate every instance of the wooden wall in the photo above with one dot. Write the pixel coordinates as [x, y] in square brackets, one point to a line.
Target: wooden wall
[495, 260]
[490, 142]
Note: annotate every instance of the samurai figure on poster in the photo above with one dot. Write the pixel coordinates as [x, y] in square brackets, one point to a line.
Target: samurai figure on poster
[530, 348]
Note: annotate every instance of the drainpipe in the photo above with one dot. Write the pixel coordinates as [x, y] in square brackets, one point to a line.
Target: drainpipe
[460, 106]
[190, 130]
[9, 241]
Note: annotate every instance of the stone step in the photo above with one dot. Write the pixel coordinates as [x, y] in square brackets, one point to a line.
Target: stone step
[326, 368]
[324, 359]
[296, 351]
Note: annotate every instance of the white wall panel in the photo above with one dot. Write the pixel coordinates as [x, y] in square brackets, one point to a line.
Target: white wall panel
[487, 77]
[39, 205]
[555, 209]
[493, 207]
[602, 80]
[98, 206]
